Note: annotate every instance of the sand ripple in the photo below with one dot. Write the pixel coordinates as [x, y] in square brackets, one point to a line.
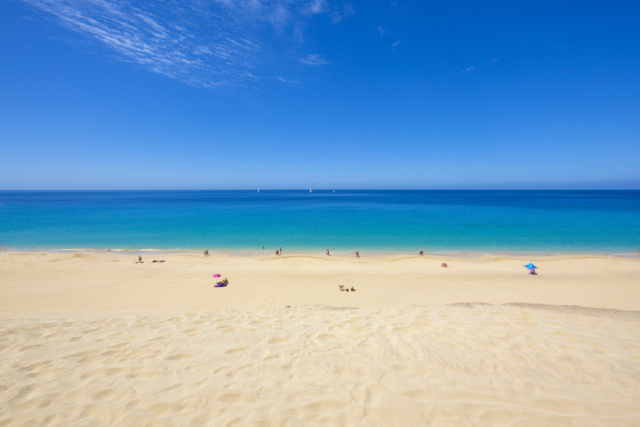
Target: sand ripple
[446, 365]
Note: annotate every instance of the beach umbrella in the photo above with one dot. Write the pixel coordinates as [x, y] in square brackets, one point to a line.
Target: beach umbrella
[216, 275]
[531, 266]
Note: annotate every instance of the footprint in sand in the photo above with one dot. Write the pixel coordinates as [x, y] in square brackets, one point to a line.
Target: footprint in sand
[270, 358]
[178, 357]
[325, 337]
[42, 373]
[246, 371]
[325, 406]
[237, 350]
[221, 369]
[277, 341]
[145, 375]
[371, 396]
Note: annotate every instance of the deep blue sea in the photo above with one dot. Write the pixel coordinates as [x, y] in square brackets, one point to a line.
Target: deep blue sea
[368, 221]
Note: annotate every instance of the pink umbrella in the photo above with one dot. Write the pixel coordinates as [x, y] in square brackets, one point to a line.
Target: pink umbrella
[216, 275]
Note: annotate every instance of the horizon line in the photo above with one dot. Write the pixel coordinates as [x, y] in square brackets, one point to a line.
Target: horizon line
[321, 189]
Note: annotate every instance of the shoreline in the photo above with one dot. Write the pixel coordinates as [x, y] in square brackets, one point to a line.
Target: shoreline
[337, 253]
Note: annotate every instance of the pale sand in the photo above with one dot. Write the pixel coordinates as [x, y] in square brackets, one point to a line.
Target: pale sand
[95, 339]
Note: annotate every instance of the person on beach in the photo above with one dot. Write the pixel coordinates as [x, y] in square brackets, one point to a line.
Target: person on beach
[357, 254]
[206, 252]
[280, 250]
[139, 259]
[222, 283]
[445, 265]
[328, 252]
[421, 253]
[277, 253]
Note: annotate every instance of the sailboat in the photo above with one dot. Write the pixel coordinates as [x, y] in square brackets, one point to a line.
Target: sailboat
[258, 190]
[310, 191]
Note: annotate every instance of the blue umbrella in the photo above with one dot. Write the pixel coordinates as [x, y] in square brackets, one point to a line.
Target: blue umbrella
[531, 266]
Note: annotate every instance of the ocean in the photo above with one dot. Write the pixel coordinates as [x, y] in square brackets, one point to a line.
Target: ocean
[343, 221]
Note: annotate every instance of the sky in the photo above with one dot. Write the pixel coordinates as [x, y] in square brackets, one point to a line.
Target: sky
[323, 94]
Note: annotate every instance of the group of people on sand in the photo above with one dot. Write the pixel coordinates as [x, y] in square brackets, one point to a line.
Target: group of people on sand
[140, 261]
[343, 289]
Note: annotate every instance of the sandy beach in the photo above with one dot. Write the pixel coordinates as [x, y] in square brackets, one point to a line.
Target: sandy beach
[93, 338]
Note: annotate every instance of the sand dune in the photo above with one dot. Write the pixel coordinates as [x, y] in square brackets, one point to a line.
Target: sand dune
[97, 340]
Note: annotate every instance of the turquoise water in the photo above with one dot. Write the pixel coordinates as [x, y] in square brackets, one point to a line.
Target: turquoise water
[394, 221]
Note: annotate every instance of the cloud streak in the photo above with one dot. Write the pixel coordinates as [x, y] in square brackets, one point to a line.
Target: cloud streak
[314, 59]
[207, 43]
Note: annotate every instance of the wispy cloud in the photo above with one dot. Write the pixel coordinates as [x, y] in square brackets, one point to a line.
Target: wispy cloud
[314, 59]
[338, 14]
[202, 42]
[315, 6]
[473, 67]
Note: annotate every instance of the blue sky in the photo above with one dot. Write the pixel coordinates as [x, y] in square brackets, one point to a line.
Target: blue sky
[234, 94]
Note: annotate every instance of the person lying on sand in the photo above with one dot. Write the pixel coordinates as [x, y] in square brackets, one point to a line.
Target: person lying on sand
[222, 283]
[353, 289]
[341, 288]
[444, 264]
